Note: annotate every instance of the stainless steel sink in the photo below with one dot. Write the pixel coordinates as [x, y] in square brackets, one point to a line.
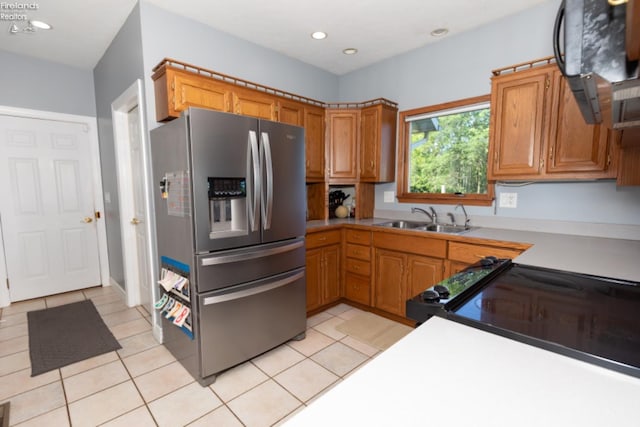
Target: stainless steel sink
[442, 228]
[403, 224]
[425, 226]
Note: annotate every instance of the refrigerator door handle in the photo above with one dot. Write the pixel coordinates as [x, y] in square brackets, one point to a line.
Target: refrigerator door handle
[267, 200]
[254, 166]
[253, 291]
[226, 259]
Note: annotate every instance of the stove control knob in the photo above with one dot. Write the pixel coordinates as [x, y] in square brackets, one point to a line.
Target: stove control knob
[430, 296]
[486, 262]
[442, 291]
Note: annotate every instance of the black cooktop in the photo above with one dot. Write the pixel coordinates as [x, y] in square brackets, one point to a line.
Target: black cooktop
[594, 319]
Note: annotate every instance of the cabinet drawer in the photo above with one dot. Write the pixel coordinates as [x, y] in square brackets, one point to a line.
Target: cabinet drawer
[419, 245]
[359, 267]
[357, 289]
[468, 253]
[323, 238]
[359, 252]
[358, 236]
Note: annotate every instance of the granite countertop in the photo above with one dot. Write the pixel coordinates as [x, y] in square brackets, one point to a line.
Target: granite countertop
[615, 258]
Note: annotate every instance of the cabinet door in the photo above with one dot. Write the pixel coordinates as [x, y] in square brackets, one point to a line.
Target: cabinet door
[422, 273]
[370, 143]
[254, 104]
[314, 143]
[331, 270]
[196, 91]
[378, 143]
[389, 281]
[456, 267]
[343, 145]
[291, 112]
[314, 278]
[357, 288]
[575, 147]
[518, 114]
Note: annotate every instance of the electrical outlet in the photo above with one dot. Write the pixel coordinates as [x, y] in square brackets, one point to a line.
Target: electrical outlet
[389, 197]
[508, 200]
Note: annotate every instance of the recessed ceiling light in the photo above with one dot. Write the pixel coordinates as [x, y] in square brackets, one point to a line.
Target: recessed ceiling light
[319, 35]
[350, 51]
[41, 25]
[439, 32]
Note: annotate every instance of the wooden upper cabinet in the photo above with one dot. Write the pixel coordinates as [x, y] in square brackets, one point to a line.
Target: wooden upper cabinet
[342, 144]
[291, 112]
[176, 90]
[314, 143]
[537, 131]
[254, 104]
[518, 113]
[575, 146]
[377, 145]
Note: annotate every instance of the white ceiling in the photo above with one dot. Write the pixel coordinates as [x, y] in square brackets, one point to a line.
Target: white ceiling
[378, 29]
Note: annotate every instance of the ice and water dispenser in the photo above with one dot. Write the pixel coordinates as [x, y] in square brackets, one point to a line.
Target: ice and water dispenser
[227, 207]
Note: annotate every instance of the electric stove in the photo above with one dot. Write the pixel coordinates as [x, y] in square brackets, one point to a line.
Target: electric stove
[590, 318]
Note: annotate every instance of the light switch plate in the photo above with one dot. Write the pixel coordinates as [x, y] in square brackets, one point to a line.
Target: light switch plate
[389, 197]
[508, 200]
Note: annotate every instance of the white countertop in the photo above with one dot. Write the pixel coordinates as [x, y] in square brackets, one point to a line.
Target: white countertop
[447, 374]
[600, 256]
[617, 258]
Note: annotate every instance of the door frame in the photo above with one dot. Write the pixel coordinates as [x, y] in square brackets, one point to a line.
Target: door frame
[90, 124]
[120, 107]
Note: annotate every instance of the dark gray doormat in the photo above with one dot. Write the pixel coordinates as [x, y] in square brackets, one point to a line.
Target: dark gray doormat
[4, 414]
[63, 335]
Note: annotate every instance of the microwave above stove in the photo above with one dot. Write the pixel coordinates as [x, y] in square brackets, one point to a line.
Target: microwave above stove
[590, 318]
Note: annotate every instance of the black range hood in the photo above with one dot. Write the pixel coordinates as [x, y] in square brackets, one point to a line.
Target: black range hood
[602, 77]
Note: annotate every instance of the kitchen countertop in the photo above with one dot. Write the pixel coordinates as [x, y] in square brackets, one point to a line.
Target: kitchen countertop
[616, 258]
[445, 373]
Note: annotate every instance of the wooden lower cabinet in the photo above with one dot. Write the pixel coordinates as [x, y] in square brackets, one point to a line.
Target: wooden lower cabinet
[357, 278]
[399, 276]
[462, 255]
[388, 281]
[470, 253]
[382, 270]
[323, 270]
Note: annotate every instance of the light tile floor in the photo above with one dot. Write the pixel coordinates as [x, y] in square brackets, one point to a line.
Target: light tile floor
[142, 384]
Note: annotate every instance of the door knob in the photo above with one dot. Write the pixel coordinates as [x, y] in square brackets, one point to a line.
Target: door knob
[135, 221]
[87, 219]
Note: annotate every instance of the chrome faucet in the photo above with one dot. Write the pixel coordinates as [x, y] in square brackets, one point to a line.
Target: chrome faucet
[466, 217]
[432, 216]
[453, 218]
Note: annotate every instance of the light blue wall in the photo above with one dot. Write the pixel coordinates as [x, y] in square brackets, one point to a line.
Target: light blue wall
[43, 85]
[166, 35]
[460, 67]
[120, 66]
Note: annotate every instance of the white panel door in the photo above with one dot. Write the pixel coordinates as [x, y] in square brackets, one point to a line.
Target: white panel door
[46, 203]
[139, 208]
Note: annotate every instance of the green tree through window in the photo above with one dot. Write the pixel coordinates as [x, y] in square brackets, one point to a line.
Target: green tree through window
[448, 153]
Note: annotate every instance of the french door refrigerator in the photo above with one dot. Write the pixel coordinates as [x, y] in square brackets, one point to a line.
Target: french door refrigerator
[230, 218]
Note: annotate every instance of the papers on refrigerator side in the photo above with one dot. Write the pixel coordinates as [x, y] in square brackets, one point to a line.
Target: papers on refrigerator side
[172, 280]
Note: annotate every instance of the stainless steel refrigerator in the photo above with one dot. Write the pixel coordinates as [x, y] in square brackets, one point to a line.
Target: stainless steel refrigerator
[230, 216]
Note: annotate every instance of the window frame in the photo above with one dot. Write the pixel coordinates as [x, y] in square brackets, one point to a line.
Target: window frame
[403, 164]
